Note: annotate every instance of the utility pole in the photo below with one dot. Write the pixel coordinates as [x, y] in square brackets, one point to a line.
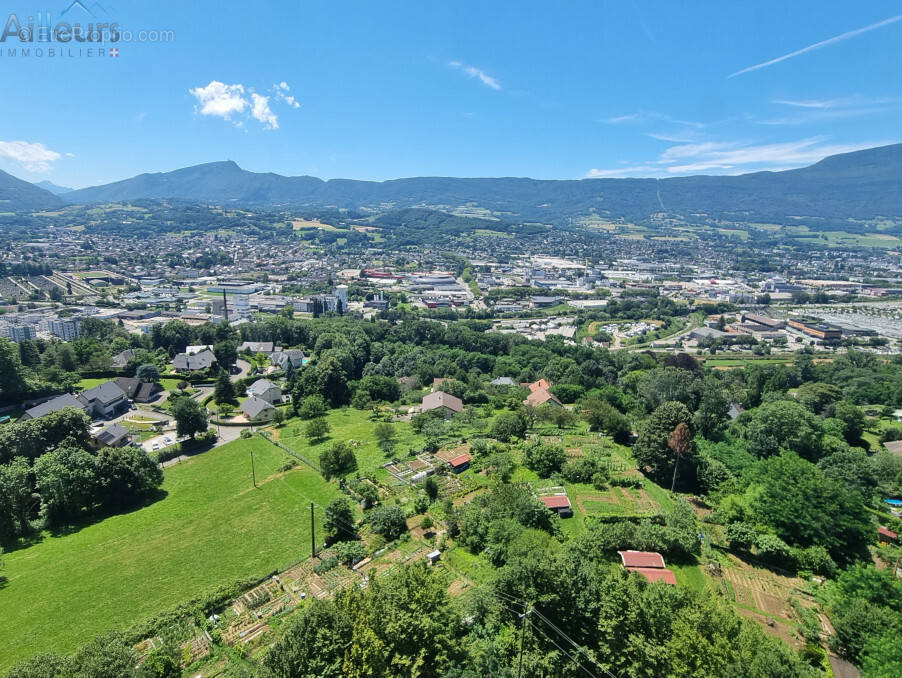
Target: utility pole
[522, 634]
[253, 472]
[312, 532]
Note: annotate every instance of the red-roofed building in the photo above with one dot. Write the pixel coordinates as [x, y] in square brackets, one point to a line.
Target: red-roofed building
[559, 503]
[641, 559]
[460, 463]
[649, 564]
[654, 574]
[885, 534]
[542, 397]
[536, 385]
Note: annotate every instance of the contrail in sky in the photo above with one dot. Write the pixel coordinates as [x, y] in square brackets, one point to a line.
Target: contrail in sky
[818, 45]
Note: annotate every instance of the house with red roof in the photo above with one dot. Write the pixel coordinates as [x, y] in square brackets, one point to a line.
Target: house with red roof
[559, 503]
[460, 463]
[649, 564]
[885, 534]
[542, 397]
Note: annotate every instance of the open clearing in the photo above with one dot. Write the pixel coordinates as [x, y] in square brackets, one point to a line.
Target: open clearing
[212, 528]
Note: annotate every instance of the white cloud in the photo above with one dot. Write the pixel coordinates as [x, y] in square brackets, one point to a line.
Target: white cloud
[220, 99]
[281, 91]
[803, 111]
[262, 112]
[821, 44]
[734, 157]
[33, 157]
[478, 73]
[749, 157]
[622, 172]
[238, 103]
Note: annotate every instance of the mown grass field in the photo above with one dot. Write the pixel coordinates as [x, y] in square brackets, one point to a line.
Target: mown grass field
[349, 424]
[212, 528]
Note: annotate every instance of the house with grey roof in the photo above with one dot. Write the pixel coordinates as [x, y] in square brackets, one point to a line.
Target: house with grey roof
[55, 405]
[187, 362]
[287, 359]
[112, 436]
[264, 347]
[265, 390]
[256, 409]
[121, 359]
[105, 400]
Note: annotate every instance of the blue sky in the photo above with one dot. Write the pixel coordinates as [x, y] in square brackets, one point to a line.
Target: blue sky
[379, 90]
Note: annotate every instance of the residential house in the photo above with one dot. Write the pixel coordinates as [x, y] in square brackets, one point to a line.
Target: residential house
[186, 362]
[649, 564]
[55, 405]
[265, 390]
[538, 385]
[446, 402]
[254, 347]
[542, 397]
[137, 390]
[105, 400]
[120, 360]
[559, 503]
[112, 436]
[291, 358]
[256, 409]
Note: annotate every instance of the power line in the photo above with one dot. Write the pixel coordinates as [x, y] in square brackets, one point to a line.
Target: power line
[551, 640]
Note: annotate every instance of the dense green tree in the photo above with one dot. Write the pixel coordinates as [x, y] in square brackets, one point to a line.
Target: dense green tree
[225, 390]
[226, 353]
[125, 476]
[852, 419]
[652, 451]
[338, 460]
[339, 521]
[12, 373]
[507, 426]
[316, 429]
[385, 435]
[387, 521]
[312, 407]
[190, 416]
[148, 372]
[783, 424]
[852, 468]
[380, 388]
[602, 416]
[805, 508]
[67, 481]
[544, 459]
[15, 498]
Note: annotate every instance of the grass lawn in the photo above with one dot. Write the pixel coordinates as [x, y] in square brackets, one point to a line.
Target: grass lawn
[689, 576]
[85, 384]
[350, 424]
[212, 528]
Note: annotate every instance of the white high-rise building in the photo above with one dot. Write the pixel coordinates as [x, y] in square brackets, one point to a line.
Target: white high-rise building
[342, 293]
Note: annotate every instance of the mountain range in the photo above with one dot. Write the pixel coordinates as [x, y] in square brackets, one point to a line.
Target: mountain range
[838, 190]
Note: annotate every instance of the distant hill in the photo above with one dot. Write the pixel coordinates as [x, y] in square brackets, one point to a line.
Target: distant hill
[853, 186]
[53, 188]
[17, 195]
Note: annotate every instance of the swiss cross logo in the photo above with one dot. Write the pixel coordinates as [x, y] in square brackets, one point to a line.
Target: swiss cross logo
[114, 52]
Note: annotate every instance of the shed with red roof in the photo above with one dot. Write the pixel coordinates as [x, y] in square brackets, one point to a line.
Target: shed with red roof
[460, 463]
[559, 503]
